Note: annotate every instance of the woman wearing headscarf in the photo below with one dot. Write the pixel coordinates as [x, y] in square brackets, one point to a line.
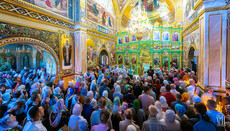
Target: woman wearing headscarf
[116, 115]
[61, 84]
[170, 121]
[131, 128]
[138, 113]
[185, 97]
[78, 86]
[93, 101]
[109, 103]
[118, 93]
[93, 87]
[164, 104]
[6, 98]
[5, 101]
[196, 99]
[71, 99]
[83, 94]
[160, 114]
[57, 117]
[162, 90]
[137, 88]
[57, 92]
[9, 122]
[46, 92]
[77, 122]
[180, 112]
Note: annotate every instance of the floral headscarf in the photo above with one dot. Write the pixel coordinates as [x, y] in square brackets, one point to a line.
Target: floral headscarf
[57, 109]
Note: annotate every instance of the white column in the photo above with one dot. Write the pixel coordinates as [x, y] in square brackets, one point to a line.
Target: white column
[80, 49]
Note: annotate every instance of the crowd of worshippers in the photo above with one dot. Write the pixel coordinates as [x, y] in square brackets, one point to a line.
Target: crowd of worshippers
[107, 99]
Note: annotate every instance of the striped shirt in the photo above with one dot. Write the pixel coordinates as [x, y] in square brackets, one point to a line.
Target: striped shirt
[153, 125]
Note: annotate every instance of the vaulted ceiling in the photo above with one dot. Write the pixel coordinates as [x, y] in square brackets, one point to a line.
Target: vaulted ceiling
[122, 9]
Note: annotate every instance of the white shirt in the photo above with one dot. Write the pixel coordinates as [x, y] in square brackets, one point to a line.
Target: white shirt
[34, 126]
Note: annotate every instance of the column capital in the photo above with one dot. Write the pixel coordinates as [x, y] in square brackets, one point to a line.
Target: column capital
[81, 26]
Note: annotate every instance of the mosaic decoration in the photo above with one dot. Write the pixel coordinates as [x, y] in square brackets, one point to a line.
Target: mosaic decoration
[121, 3]
[57, 6]
[150, 5]
[77, 11]
[82, 11]
[34, 41]
[67, 50]
[100, 35]
[163, 46]
[97, 49]
[100, 12]
[97, 27]
[70, 9]
[106, 4]
[10, 30]
[188, 7]
[25, 12]
[190, 40]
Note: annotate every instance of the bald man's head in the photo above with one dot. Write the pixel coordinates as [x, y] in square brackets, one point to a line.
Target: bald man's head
[153, 110]
[128, 114]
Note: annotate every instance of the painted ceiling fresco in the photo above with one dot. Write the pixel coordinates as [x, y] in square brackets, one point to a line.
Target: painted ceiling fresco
[121, 3]
[57, 6]
[101, 11]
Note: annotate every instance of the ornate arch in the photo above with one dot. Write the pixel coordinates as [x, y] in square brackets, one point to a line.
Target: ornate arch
[186, 54]
[109, 57]
[13, 40]
[191, 46]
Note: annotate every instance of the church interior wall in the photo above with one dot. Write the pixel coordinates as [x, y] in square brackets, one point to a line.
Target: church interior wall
[95, 46]
[51, 34]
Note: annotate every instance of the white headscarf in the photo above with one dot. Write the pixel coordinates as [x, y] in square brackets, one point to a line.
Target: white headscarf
[118, 89]
[45, 92]
[191, 89]
[59, 106]
[131, 128]
[5, 98]
[77, 109]
[57, 91]
[105, 94]
[163, 101]
[57, 109]
[160, 114]
[165, 82]
[6, 123]
[162, 90]
[170, 116]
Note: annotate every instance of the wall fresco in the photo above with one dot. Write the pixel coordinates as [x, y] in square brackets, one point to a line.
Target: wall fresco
[10, 30]
[96, 47]
[191, 40]
[100, 13]
[57, 6]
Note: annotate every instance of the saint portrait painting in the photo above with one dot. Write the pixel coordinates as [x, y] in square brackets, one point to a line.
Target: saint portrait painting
[67, 49]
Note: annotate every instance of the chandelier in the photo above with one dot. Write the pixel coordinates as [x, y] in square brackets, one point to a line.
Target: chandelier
[139, 25]
[23, 50]
[3, 50]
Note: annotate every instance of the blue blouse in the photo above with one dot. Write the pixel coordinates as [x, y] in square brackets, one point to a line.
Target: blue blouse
[203, 125]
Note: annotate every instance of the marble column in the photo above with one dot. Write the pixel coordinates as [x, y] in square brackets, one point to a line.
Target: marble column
[213, 44]
[80, 49]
